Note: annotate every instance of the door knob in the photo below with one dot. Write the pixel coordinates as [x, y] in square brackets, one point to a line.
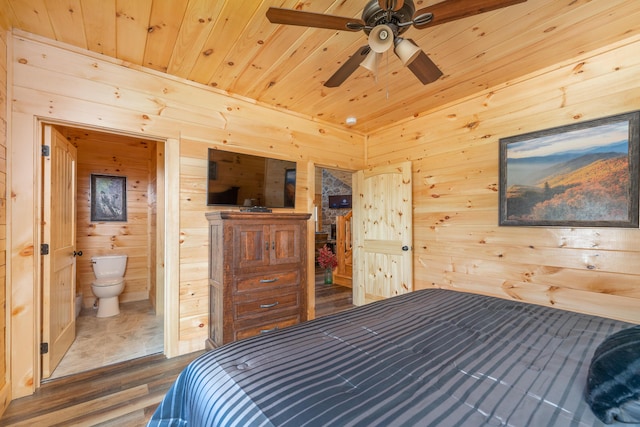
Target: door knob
[79, 253]
[405, 248]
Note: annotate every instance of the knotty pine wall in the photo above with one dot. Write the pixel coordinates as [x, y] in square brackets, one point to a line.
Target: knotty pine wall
[5, 392]
[457, 242]
[65, 85]
[133, 158]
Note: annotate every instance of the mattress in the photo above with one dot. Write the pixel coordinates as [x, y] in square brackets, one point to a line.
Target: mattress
[428, 358]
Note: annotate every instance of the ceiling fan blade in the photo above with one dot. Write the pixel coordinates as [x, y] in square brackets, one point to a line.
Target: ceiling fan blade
[450, 10]
[424, 69]
[348, 67]
[391, 4]
[278, 15]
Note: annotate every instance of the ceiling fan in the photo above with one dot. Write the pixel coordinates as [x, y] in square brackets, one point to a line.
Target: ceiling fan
[384, 21]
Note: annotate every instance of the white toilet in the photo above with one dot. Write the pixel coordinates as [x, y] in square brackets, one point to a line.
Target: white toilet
[109, 283]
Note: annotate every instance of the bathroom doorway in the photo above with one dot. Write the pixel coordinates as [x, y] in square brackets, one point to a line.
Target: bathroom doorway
[138, 330]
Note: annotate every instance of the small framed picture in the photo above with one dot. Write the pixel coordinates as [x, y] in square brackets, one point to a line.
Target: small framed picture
[108, 198]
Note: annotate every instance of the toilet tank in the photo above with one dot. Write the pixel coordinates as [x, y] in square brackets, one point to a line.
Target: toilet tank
[109, 266]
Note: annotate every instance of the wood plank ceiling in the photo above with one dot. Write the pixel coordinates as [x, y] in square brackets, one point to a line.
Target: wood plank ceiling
[231, 46]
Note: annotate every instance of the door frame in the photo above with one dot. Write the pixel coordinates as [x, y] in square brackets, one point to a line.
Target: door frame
[311, 250]
[24, 269]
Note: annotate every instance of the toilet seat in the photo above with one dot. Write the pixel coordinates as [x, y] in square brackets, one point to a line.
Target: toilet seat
[107, 281]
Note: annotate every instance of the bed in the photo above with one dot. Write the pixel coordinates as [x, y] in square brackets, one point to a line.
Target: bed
[429, 358]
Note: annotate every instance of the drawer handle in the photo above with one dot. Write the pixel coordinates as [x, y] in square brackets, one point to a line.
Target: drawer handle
[264, 331]
[275, 279]
[269, 305]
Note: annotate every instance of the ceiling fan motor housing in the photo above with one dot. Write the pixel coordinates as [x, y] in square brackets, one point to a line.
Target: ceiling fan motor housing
[373, 15]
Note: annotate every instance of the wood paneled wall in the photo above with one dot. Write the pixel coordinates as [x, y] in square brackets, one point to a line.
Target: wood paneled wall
[5, 392]
[109, 154]
[454, 150]
[66, 85]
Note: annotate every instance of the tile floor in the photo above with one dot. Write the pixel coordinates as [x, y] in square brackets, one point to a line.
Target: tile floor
[135, 332]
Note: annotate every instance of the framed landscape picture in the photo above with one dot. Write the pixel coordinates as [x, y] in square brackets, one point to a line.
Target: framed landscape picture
[580, 175]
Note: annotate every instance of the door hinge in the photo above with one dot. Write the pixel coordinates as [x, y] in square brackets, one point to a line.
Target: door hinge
[44, 348]
[45, 151]
[44, 249]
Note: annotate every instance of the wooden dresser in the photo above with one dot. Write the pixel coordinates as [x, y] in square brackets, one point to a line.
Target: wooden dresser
[257, 273]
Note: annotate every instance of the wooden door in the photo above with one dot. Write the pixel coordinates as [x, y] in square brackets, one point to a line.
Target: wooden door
[59, 265]
[383, 237]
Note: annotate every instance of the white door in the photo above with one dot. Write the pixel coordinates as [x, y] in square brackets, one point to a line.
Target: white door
[59, 265]
[383, 236]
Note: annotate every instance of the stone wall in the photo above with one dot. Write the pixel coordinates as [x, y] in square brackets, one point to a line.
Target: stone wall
[334, 183]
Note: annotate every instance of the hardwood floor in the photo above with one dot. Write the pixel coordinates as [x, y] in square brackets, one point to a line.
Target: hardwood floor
[125, 394]
[331, 298]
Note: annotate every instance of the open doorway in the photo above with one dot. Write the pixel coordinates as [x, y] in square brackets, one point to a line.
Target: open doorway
[333, 214]
[137, 330]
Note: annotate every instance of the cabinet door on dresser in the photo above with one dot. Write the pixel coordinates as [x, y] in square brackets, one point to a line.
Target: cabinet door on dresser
[251, 246]
[286, 243]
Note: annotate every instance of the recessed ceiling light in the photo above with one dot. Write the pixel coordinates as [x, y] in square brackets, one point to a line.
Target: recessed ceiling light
[351, 121]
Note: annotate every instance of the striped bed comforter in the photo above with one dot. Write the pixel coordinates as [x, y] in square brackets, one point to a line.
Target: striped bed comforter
[428, 358]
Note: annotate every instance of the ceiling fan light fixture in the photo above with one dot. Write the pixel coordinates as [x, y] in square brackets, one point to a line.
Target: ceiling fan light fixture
[406, 51]
[371, 61]
[384, 21]
[381, 38]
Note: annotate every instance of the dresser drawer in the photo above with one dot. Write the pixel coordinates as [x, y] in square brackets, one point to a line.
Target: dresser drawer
[260, 281]
[265, 328]
[267, 304]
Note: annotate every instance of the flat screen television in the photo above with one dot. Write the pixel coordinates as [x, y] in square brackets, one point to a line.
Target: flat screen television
[236, 179]
[341, 201]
